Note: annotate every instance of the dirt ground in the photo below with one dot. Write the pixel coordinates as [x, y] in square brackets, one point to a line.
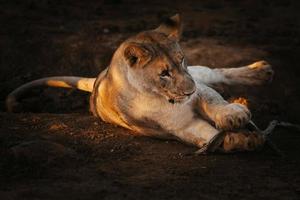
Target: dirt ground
[55, 149]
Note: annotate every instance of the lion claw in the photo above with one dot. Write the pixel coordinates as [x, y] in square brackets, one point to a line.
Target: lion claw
[232, 116]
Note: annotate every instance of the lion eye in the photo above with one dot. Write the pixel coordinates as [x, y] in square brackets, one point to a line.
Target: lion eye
[180, 58]
[165, 73]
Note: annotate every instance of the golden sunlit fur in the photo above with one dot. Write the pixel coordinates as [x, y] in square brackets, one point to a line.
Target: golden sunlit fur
[149, 89]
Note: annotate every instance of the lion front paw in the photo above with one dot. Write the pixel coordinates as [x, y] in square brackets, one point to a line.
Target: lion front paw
[232, 116]
[242, 142]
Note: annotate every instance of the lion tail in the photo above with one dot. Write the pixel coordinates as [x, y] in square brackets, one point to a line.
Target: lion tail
[81, 83]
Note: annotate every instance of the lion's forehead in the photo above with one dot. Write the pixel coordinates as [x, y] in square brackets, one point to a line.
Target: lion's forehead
[158, 43]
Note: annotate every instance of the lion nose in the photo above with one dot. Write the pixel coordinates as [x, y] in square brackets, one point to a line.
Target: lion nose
[189, 93]
[187, 85]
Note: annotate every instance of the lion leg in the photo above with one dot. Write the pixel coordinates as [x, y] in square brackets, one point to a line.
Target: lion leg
[241, 141]
[209, 139]
[257, 73]
[225, 116]
[198, 133]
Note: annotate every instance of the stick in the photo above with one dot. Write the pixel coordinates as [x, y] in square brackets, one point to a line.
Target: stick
[267, 132]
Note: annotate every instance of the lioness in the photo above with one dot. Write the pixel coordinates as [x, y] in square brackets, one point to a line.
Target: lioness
[149, 89]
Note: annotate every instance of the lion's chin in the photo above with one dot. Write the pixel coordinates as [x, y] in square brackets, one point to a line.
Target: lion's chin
[178, 99]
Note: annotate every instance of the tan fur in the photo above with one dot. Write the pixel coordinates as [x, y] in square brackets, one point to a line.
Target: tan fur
[149, 89]
[85, 84]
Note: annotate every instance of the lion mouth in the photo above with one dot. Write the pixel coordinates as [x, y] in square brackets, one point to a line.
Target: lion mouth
[178, 99]
[172, 101]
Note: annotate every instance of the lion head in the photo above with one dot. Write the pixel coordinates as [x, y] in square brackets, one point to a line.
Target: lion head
[156, 64]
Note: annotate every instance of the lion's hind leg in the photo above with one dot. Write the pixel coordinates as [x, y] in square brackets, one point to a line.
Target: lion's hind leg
[257, 73]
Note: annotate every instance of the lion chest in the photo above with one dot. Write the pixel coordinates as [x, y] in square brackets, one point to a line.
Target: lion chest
[169, 116]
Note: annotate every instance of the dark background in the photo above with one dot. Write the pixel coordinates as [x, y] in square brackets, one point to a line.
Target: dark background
[55, 149]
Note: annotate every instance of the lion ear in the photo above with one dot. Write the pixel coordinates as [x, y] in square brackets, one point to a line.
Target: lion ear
[172, 27]
[136, 54]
